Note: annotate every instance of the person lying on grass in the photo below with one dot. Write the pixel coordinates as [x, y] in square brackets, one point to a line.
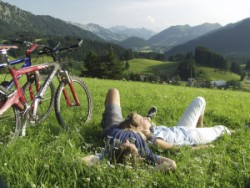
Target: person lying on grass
[189, 131]
[125, 138]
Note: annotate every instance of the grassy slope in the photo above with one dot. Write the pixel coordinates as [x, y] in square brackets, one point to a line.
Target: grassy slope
[152, 66]
[213, 74]
[49, 156]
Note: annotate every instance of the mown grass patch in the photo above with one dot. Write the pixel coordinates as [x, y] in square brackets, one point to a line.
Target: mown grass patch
[216, 74]
[149, 66]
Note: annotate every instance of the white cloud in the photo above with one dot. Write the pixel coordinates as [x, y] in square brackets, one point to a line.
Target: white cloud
[151, 19]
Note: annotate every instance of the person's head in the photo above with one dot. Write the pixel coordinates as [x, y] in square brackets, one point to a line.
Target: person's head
[138, 124]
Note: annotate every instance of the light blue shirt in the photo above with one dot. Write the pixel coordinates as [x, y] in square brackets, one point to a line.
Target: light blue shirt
[173, 135]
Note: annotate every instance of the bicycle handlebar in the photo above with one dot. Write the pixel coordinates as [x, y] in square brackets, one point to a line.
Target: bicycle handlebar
[79, 44]
[32, 46]
[23, 43]
[54, 51]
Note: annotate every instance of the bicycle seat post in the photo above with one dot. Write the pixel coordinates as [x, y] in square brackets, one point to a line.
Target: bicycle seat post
[4, 56]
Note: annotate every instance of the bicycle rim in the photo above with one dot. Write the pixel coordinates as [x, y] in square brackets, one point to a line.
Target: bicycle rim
[10, 126]
[73, 116]
[45, 106]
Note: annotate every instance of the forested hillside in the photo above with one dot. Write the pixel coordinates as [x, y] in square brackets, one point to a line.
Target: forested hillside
[14, 21]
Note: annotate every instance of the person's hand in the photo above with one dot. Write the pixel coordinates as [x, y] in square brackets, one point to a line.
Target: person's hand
[91, 160]
[131, 147]
[211, 145]
[164, 165]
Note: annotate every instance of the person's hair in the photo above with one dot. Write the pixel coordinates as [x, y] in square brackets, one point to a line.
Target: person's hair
[132, 123]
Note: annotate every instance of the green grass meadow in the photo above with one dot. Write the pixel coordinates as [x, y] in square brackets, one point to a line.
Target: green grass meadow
[215, 74]
[49, 156]
[149, 66]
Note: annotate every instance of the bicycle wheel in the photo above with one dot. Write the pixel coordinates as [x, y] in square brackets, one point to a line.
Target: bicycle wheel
[46, 104]
[71, 116]
[10, 121]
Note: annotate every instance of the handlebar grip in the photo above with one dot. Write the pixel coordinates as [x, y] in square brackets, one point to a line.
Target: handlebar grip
[72, 46]
[77, 45]
[41, 53]
[46, 50]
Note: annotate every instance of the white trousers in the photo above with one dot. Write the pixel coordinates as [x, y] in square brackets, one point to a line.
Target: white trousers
[190, 118]
[193, 112]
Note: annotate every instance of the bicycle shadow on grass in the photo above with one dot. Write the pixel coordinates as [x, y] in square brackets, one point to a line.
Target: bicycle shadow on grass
[88, 134]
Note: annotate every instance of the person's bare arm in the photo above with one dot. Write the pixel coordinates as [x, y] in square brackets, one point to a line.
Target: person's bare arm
[202, 147]
[161, 144]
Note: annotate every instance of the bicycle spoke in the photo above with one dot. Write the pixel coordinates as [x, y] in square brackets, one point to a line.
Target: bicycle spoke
[71, 115]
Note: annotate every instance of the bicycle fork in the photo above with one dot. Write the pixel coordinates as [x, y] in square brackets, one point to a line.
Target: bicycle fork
[66, 96]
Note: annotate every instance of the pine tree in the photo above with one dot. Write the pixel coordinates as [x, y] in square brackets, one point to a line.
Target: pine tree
[248, 65]
[114, 67]
[93, 66]
[186, 68]
[235, 68]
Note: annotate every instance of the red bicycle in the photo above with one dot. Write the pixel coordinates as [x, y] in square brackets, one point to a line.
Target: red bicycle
[33, 83]
[77, 99]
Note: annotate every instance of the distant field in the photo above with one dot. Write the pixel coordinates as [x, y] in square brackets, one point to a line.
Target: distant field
[148, 66]
[213, 74]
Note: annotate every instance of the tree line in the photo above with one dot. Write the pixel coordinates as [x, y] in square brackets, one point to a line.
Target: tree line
[207, 58]
[106, 60]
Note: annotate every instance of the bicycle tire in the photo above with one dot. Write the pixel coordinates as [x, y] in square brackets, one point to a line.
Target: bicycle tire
[70, 117]
[45, 106]
[11, 122]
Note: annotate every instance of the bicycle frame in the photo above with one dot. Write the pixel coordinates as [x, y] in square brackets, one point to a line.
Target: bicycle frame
[17, 97]
[26, 60]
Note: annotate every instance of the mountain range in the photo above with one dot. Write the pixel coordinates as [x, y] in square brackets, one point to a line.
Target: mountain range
[138, 37]
[231, 40]
[102, 32]
[180, 34]
[116, 33]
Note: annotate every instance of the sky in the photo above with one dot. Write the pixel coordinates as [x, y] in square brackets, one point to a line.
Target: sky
[156, 15]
